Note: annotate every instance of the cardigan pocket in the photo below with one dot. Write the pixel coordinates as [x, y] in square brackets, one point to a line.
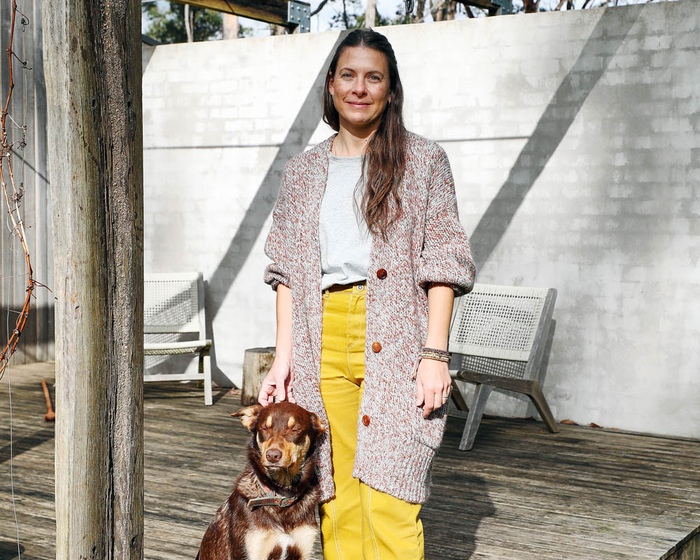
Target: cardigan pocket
[429, 431]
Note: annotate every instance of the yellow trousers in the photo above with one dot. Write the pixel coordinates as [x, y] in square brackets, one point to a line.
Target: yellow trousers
[360, 523]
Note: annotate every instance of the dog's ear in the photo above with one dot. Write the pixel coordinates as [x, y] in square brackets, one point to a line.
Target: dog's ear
[248, 415]
[316, 424]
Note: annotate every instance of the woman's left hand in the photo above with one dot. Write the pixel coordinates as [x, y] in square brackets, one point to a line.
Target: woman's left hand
[433, 385]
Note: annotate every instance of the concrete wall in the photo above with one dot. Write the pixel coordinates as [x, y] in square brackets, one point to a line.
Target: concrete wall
[574, 143]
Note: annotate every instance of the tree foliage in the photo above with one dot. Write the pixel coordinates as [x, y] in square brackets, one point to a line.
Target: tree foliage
[168, 25]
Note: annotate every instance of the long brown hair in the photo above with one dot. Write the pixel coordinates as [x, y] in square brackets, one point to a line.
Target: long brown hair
[385, 151]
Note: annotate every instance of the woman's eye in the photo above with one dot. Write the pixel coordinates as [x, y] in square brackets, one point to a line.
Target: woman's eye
[375, 78]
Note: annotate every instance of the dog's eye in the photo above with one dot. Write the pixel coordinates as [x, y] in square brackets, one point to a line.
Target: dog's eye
[296, 429]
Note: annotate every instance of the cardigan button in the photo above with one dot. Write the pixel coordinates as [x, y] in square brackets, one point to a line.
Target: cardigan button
[376, 347]
[381, 274]
[365, 420]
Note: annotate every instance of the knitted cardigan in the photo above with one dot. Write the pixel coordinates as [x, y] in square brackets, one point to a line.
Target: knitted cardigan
[395, 444]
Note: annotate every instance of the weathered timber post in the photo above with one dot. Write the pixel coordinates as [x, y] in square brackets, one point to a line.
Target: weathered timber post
[92, 61]
[256, 363]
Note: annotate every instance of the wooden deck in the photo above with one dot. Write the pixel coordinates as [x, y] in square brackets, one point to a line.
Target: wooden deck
[520, 494]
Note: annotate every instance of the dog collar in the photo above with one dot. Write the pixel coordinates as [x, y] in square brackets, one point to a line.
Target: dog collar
[271, 498]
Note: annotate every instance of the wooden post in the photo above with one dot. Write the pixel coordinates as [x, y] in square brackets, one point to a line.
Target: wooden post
[92, 61]
[256, 363]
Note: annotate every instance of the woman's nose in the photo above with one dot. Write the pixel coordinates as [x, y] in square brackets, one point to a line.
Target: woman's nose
[359, 87]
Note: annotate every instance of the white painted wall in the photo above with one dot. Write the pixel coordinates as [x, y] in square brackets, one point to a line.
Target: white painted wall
[574, 142]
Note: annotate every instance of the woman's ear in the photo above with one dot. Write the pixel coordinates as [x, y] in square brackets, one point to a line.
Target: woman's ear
[331, 88]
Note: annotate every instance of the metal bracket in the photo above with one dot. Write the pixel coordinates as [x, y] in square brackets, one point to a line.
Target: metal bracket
[299, 13]
[506, 6]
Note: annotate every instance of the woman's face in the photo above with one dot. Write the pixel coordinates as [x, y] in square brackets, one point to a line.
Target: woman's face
[360, 88]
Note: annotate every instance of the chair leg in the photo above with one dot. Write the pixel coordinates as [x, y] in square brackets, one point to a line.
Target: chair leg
[537, 398]
[476, 411]
[458, 396]
[205, 368]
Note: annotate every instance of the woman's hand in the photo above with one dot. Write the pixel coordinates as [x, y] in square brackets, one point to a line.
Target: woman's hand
[433, 385]
[277, 383]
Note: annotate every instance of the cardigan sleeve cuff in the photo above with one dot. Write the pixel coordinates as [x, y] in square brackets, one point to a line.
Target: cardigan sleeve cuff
[458, 276]
[274, 276]
[450, 264]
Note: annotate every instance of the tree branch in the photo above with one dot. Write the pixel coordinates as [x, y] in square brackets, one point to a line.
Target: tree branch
[13, 202]
[319, 8]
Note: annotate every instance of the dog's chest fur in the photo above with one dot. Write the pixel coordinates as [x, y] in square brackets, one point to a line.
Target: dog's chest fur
[266, 544]
[273, 533]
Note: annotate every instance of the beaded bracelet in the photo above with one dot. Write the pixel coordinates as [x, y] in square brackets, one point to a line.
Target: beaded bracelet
[430, 354]
[436, 354]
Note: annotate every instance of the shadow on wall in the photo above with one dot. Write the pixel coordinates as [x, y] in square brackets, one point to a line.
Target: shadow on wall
[612, 29]
[261, 206]
[146, 54]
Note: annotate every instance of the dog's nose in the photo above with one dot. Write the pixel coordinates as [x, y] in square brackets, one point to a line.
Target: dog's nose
[273, 455]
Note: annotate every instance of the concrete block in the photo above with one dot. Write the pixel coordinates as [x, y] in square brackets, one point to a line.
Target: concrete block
[657, 42]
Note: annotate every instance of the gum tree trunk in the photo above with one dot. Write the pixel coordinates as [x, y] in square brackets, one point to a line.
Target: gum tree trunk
[370, 13]
[92, 61]
[230, 26]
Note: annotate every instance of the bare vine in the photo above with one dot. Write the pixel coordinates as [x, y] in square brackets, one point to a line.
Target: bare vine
[13, 196]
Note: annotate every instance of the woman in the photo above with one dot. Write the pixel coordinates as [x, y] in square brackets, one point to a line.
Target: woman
[368, 254]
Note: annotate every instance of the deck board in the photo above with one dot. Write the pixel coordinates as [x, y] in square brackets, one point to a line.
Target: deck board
[520, 494]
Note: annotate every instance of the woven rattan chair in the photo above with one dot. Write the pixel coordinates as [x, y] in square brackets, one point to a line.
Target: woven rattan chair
[174, 324]
[498, 338]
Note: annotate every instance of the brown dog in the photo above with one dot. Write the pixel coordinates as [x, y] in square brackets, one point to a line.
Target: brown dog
[270, 514]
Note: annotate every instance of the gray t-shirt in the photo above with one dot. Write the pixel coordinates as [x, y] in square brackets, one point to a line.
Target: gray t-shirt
[345, 240]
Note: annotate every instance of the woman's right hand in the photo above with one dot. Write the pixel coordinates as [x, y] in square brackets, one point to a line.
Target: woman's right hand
[277, 383]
